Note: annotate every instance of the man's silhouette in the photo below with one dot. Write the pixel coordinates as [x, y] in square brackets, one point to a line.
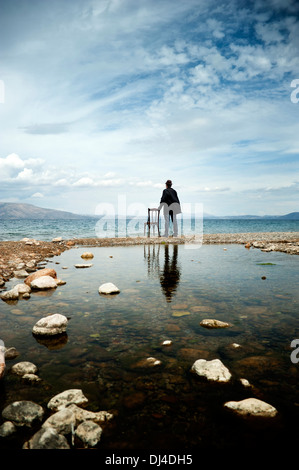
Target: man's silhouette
[171, 204]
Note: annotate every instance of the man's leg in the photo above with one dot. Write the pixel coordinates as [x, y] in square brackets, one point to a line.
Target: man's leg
[175, 225]
[166, 218]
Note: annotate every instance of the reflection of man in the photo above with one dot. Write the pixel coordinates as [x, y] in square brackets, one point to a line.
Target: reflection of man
[171, 204]
[170, 276]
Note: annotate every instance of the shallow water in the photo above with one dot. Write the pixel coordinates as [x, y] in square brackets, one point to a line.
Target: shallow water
[165, 292]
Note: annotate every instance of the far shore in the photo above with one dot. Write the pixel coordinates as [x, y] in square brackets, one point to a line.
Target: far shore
[15, 255]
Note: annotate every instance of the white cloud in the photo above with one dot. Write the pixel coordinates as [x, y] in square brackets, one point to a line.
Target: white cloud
[37, 195]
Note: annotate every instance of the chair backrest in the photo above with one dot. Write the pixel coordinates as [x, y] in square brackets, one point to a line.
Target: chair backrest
[153, 216]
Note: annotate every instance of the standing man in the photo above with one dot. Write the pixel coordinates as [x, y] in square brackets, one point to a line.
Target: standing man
[171, 204]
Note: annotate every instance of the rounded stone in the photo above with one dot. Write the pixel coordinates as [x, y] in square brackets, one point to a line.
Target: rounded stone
[108, 288]
[25, 367]
[52, 325]
[66, 398]
[89, 433]
[47, 438]
[212, 323]
[23, 413]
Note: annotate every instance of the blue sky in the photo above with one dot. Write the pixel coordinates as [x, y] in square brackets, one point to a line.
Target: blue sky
[102, 99]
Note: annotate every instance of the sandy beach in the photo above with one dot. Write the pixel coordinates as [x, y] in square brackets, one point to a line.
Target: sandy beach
[27, 253]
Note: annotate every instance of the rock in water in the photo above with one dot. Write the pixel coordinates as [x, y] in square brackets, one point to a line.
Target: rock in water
[12, 294]
[42, 272]
[212, 323]
[212, 370]
[66, 398]
[44, 283]
[25, 367]
[62, 421]
[108, 288]
[47, 438]
[252, 407]
[89, 433]
[23, 413]
[51, 325]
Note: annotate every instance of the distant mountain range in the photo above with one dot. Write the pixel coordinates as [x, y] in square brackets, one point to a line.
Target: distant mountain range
[12, 210]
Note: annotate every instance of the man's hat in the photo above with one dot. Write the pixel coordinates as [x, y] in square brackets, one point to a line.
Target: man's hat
[168, 182]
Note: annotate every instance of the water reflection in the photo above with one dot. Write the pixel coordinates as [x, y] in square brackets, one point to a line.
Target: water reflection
[52, 342]
[170, 274]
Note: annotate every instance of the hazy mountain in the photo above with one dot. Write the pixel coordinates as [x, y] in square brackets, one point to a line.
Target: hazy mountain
[11, 210]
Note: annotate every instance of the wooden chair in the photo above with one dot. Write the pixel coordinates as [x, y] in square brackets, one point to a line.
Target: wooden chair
[153, 220]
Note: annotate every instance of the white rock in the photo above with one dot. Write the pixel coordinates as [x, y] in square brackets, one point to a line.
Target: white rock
[62, 421]
[252, 407]
[44, 282]
[51, 325]
[23, 289]
[108, 288]
[167, 342]
[213, 370]
[20, 273]
[7, 429]
[47, 438]
[31, 378]
[12, 294]
[66, 398]
[57, 239]
[89, 433]
[212, 323]
[85, 415]
[245, 382]
[25, 367]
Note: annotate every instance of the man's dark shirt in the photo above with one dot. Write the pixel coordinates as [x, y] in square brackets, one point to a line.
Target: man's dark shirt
[169, 196]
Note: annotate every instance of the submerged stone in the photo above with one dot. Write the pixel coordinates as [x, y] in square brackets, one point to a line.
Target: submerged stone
[212, 370]
[180, 313]
[252, 407]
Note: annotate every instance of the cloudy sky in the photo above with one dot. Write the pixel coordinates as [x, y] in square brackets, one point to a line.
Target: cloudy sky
[106, 99]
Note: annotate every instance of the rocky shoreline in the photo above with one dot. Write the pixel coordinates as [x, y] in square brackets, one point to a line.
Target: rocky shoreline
[69, 424]
[26, 254]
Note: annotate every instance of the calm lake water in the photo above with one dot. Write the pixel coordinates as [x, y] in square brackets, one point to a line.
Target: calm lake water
[166, 291]
[107, 228]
